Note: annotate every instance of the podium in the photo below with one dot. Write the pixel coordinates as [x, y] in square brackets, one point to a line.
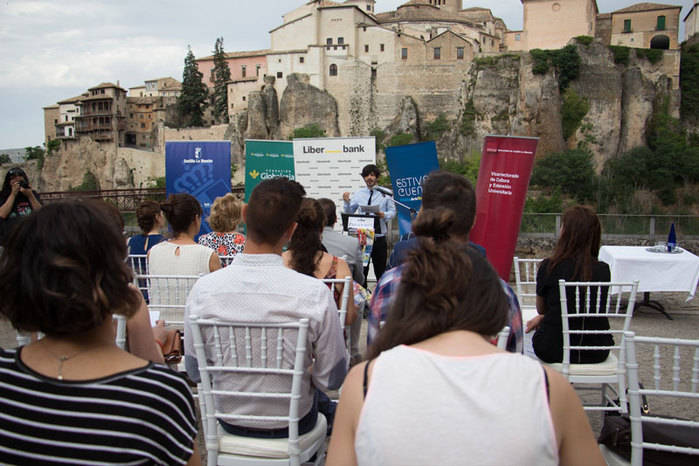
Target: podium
[360, 219]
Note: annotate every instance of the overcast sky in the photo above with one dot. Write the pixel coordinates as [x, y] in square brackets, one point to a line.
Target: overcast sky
[51, 50]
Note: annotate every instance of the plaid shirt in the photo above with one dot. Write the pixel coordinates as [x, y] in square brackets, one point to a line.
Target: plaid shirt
[385, 292]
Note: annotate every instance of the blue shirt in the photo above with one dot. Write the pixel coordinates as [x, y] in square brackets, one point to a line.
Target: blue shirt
[385, 203]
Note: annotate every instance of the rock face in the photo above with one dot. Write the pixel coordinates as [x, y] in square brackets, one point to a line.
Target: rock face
[493, 95]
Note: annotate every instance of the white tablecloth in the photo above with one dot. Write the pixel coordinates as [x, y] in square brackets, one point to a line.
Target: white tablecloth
[654, 271]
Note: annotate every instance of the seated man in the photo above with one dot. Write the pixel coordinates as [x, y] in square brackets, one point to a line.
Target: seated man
[256, 287]
[346, 247]
[451, 191]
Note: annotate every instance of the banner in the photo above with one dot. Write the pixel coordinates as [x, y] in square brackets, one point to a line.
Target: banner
[199, 168]
[409, 166]
[328, 167]
[501, 191]
[267, 159]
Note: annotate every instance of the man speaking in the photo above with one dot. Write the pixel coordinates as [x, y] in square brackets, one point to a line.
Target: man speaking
[368, 200]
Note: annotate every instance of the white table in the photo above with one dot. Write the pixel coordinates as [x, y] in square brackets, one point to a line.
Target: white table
[654, 271]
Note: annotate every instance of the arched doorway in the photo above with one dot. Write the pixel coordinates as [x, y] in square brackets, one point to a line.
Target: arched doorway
[660, 42]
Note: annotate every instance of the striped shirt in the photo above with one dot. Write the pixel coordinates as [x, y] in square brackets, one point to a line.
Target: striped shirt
[140, 416]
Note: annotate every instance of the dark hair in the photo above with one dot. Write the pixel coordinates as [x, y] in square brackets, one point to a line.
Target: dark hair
[145, 215]
[454, 192]
[64, 270]
[580, 240]
[371, 168]
[272, 208]
[305, 243]
[110, 210]
[6, 187]
[444, 286]
[329, 210]
[225, 213]
[181, 211]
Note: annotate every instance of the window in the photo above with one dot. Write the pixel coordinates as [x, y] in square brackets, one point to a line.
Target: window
[280, 74]
[661, 23]
[459, 53]
[257, 70]
[368, 7]
[333, 70]
[382, 47]
[243, 98]
[404, 53]
[143, 125]
[329, 41]
[340, 40]
[366, 48]
[243, 70]
[437, 53]
[301, 59]
[627, 25]
[517, 37]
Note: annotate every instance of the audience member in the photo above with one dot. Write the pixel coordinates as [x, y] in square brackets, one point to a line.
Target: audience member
[453, 192]
[574, 259]
[256, 287]
[74, 396]
[224, 219]
[305, 253]
[181, 255]
[434, 391]
[17, 200]
[151, 220]
[370, 197]
[348, 248]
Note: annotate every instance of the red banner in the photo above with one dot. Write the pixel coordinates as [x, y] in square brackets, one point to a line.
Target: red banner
[501, 191]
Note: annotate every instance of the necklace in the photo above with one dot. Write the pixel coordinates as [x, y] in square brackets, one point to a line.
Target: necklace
[63, 358]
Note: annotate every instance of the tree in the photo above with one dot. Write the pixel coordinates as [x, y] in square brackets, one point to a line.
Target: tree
[5, 158]
[309, 131]
[222, 75]
[35, 153]
[570, 171]
[192, 101]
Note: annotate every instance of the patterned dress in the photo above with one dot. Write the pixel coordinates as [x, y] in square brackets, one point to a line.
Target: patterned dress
[225, 244]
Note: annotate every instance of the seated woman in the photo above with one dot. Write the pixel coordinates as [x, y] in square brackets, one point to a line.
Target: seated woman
[74, 396]
[151, 221]
[574, 259]
[306, 254]
[435, 391]
[224, 219]
[181, 255]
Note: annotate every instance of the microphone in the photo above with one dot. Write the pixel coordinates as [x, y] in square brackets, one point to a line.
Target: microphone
[383, 190]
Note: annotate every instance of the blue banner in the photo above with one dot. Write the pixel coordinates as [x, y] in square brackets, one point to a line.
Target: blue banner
[199, 168]
[409, 165]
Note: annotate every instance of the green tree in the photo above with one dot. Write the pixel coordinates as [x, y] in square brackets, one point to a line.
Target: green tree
[52, 146]
[90, 183]
[689, 82]
[571, 171]
[192, 101]
[222, 75]
[434, 129]
[35, 153]
[308, 131]
[5, 158]
[573, 110]
[400, 139]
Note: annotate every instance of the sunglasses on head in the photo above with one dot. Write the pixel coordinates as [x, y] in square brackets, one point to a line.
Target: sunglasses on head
[16, 171]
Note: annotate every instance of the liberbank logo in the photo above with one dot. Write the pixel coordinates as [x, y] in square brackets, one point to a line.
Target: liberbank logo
[359, 148]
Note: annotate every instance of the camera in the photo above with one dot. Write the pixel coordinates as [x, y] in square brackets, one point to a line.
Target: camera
[23, 184]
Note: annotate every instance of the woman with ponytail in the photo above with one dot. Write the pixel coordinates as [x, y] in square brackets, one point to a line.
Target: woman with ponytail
[306, 254]
[435, 391]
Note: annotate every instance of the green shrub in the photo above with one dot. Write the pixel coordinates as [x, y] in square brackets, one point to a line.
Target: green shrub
[434, 129]
[541, 61]
[90, 183]
[5, 158]
[571, 171]
[379, 136]
[652, 55]
[689, 82]
[621, 54]
[573, 110]
[566, 61]
[468, 120]
[401, 139]
[308, 131]
[584, 40]
[468, 168]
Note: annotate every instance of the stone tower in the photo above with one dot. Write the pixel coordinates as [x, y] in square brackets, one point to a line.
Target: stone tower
[450, 5]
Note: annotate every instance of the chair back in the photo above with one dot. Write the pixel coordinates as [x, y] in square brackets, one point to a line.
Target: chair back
[675, 376]
[344, 297]
[120, 330]
[227, 349]
[167, 295]
[525, 281]
[503, 335]
[138, 263]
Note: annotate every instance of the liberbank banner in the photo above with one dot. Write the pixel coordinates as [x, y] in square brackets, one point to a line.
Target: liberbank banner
[503, 179]
[200, 168]
[267, 159]
[409, 165]
[327, 167]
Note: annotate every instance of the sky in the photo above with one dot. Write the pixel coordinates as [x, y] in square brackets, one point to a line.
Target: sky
[51, 50]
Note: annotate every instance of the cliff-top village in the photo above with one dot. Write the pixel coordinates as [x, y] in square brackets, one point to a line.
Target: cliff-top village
[368, 64]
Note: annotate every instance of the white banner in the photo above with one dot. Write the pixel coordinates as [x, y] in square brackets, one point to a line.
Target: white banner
[327, 167]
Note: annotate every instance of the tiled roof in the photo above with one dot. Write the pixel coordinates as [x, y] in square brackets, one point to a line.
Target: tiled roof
[105, 86]
[638, 7]
[72, 100]
[249, 53]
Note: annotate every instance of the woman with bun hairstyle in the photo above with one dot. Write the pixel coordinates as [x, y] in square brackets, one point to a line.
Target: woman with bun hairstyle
[306, 254]
[435, 391]
[181, 255]
[74, 397]
[151, 220]
[224, 219]
[573, 259]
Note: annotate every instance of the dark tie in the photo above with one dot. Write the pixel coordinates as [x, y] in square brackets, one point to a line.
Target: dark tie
[371, 193]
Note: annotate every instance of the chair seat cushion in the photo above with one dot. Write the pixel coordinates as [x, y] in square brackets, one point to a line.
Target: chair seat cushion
[270, 448]
[607, 367]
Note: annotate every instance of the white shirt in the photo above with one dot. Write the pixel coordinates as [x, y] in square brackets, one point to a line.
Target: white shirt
[193, 259]
[423, 408]
[258, 288]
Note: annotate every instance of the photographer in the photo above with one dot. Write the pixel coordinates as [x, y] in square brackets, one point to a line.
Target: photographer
[17, 200]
